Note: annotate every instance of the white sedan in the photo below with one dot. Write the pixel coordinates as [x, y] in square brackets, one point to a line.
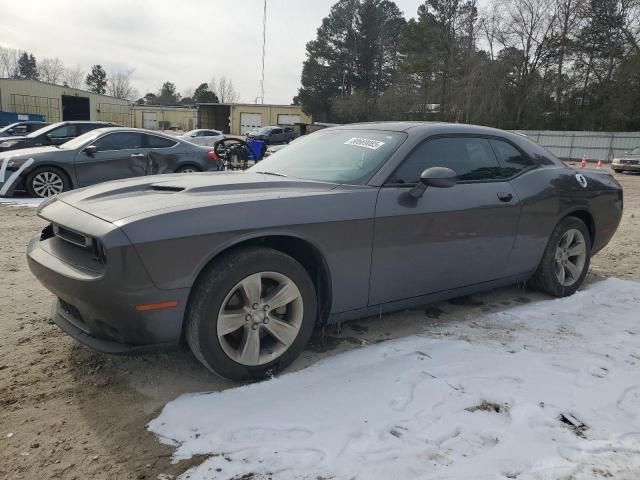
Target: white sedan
[203, 136]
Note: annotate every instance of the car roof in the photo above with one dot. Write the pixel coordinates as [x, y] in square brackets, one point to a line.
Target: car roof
[131, 129]
[426, 127]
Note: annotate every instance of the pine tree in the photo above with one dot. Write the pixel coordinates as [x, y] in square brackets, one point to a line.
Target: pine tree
[27, 67]
[97, 80]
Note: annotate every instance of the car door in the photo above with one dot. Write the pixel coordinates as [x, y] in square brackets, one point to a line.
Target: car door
[450, 237]
[277, 135]
[118, 155]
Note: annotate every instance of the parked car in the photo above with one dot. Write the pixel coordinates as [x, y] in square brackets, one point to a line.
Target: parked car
[21, 128]
[54, 134]
[629, 162]
[344, 223]
[203, 136]
[276, 148]
[98, 156]
[270, 135]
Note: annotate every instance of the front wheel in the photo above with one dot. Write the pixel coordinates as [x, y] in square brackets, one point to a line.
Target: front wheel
[45, 182]
[251, 313]
[566, 259]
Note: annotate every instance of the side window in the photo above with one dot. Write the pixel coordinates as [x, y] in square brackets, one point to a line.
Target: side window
[86, 127]
[154, 141]
[276, 131]
[207, 133]
[512, 161]
[471, 158]
[119, 141]
[63, 132]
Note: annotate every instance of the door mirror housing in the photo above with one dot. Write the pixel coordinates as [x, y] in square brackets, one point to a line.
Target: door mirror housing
[90, 150]
[437, 177]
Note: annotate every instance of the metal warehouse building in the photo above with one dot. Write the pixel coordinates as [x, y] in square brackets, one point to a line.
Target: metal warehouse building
[31, 99]
[57, 103]
[239, 118]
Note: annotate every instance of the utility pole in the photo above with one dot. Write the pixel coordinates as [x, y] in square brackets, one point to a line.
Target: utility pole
[264, 42]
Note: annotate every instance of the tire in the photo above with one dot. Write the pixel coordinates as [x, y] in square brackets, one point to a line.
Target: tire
[617, 170]
[45, 182]
[223, 347]
[548, 276]
[188, 169]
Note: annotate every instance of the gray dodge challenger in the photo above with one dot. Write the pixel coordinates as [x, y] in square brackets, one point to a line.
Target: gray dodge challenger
[344, 223]
[97, 156]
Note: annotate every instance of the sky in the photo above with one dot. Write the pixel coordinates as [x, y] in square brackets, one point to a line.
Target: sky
[185, 42]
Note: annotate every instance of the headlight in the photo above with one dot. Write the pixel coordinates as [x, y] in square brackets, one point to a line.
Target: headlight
[16, 163]
[8, 144]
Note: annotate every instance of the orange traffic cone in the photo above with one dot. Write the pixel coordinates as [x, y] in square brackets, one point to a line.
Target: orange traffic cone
[599, 164]
[583, 163]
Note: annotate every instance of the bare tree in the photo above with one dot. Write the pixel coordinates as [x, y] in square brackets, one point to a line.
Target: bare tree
[9, 62]
[119, 85]
[51, 70]
[73, 77]
[224, 90]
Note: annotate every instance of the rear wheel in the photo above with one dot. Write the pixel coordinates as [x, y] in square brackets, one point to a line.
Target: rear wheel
[45, 182]
[251, 313]
[566, 259]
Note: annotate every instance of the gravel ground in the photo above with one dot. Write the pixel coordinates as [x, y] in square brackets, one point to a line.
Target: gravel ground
[69, 413]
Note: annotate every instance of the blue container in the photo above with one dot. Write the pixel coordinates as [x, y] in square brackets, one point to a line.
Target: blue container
[7, 118]
[257, 148]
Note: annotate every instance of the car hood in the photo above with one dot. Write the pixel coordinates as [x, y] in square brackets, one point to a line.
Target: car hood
[31, 152]
[14, 138]
[123, 199]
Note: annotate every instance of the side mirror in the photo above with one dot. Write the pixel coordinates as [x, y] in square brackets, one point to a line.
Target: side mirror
[90, 150]
[437, 177]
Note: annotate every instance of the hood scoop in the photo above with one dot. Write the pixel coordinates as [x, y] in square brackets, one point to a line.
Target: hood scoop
[166, 188]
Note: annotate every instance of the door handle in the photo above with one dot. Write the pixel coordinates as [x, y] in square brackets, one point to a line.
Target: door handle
[505, 196]
[137, 155]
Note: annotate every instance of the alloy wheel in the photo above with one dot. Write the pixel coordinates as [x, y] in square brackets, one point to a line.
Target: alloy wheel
[260, 318]
[570, 257]
[47, 184]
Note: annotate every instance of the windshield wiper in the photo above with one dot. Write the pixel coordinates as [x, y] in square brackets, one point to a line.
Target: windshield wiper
[273, 173]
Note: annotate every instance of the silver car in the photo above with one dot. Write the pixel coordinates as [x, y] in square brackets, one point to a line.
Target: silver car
[203, 136]
[630, 162]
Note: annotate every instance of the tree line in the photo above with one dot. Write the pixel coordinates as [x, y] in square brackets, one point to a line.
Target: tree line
[19, 64]
[517, 64]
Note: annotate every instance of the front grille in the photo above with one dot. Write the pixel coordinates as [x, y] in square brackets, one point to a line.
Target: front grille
[71, 236]
[630, 162]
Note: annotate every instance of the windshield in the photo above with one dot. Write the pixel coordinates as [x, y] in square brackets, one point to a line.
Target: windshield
[263, 131]
[8, 127]
[42, 130]
[337, 156]
[635, 151]
[81, 140]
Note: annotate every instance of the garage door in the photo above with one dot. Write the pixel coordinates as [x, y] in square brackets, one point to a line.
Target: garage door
[288, 119]
[149, 121]
[250, 121]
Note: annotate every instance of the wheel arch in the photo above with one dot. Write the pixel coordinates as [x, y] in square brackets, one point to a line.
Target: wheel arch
[66, 169]
[303, 250]
[586, 216]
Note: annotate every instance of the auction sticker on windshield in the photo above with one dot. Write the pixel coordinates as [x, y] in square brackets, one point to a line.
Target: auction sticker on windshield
[364, 142]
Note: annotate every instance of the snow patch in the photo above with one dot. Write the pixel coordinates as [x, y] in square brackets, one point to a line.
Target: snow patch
[21, 202]
[557, 397]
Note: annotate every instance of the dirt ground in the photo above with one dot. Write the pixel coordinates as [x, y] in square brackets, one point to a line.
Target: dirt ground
[69, 413]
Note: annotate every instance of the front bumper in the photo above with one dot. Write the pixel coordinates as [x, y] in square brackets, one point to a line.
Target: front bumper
[97, 303]
[68, 324]
[629, 167]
